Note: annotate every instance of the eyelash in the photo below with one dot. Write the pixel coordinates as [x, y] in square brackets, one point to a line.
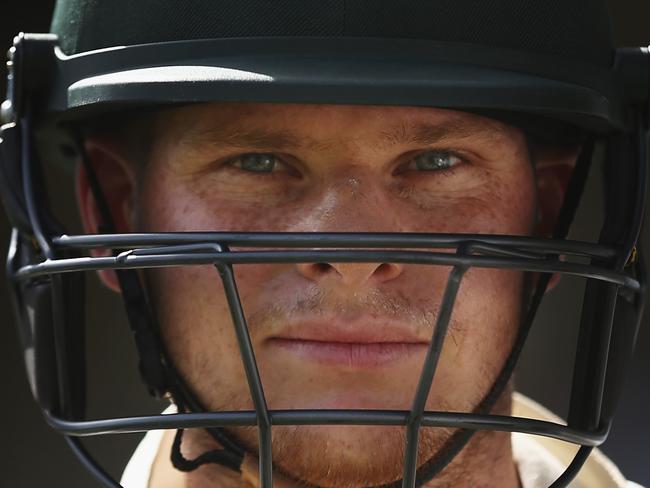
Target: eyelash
[287, 168]
[411, 161]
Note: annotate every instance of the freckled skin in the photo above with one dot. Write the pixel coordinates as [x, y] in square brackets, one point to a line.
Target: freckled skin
[347, 179]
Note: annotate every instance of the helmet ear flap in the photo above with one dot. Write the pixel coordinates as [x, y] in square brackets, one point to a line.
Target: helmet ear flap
[50, 316]
[33, 309]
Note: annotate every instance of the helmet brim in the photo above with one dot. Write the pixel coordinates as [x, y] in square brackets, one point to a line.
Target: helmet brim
[336, 71]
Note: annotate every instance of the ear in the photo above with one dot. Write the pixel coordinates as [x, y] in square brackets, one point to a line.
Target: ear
[553, 169]
[117, 179]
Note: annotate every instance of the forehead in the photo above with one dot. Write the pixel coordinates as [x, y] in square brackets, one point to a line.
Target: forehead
[266, 124]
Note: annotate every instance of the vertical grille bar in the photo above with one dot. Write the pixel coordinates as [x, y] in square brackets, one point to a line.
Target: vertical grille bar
[428, 372]
[252, 374]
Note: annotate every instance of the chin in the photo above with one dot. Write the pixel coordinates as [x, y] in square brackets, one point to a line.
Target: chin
[347, 456]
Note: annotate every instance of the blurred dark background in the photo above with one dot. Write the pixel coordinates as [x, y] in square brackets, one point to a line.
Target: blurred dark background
[32, 455]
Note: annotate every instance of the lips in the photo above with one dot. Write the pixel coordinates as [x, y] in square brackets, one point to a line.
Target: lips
[358, 343]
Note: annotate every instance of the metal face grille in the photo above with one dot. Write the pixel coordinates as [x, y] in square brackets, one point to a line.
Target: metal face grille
[460, 252]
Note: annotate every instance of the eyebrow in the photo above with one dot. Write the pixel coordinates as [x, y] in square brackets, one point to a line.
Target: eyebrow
[253, 138]
[428, 134]
[400, 134]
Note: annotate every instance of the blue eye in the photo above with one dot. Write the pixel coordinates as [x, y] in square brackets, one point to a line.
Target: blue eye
[436, 160]
[256, 162]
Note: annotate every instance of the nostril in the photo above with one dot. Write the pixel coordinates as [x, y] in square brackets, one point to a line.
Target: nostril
[383, 269]
[387, 271]
[322, 268]
[316, 271]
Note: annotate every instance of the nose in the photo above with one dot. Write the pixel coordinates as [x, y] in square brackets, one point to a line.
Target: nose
[353, 202]
[350, 274]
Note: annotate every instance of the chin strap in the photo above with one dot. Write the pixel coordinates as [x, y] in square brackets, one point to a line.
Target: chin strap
[222, 457]
[230, 454]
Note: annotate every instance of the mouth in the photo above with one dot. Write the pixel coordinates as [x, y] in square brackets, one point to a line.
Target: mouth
[355, 343]
[351, 354]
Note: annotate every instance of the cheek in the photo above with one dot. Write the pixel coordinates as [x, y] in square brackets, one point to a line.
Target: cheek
[193, 318]
[197, 328]
[198, 333]
[487, 312]
[172, 204]
[168, 204]
[489, 308]
[503, 205]
[485, 321]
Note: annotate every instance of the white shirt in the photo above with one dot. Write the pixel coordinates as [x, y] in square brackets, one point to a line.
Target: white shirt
[540, 460]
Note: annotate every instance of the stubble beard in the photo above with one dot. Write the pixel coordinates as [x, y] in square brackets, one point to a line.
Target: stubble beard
[343, 456]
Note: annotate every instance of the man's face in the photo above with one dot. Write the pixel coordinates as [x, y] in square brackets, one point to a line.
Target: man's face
[333, 335]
